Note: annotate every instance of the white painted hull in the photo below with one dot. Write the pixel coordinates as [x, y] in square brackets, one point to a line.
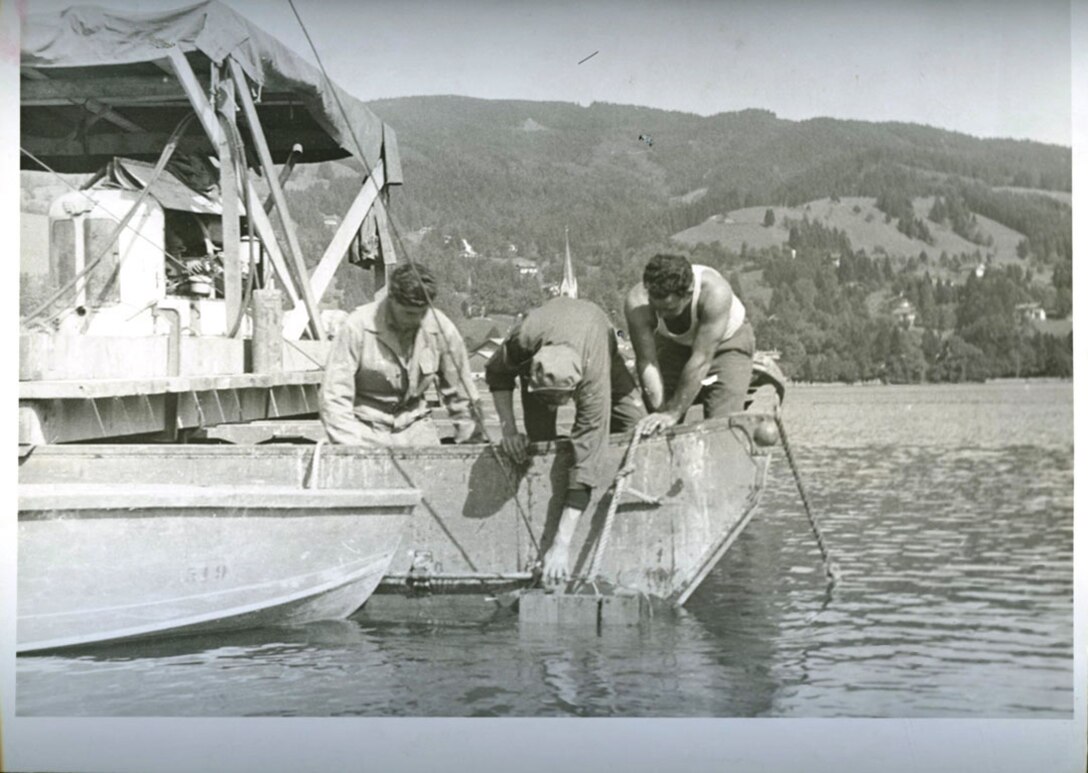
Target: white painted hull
[108, 563]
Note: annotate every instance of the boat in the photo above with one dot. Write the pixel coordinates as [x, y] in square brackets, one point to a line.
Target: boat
[182, 360]
[476, 542]
[179, 307]
[103, 563]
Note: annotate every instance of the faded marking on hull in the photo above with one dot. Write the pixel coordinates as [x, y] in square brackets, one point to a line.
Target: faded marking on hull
[366, 563]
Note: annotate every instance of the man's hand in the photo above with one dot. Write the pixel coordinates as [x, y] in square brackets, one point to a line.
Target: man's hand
[655, 422]
[555, 562]
[516, 445]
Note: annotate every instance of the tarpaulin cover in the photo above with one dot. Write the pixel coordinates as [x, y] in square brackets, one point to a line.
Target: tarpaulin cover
[106, 41]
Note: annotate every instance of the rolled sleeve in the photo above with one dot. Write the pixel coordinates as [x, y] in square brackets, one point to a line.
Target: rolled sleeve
[506, 363]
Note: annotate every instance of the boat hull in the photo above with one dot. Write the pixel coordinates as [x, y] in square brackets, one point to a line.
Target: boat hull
[483, 521]
[108, 562]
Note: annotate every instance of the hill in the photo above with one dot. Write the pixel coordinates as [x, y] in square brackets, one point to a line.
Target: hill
[823, 226]
[500, 171]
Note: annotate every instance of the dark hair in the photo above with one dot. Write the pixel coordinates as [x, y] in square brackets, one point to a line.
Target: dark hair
[668, 274]
[412, 284]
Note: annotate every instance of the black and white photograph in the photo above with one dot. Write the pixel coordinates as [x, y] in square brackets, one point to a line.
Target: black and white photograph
[690, 365]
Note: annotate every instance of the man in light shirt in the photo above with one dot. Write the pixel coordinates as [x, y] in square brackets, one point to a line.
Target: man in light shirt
[384, 358]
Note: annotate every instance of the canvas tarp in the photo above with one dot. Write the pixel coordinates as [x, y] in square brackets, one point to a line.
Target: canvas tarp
[88, 46]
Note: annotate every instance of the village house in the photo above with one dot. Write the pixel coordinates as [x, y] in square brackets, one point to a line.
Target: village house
[1029, 312]
[904, 313]
[526, 267]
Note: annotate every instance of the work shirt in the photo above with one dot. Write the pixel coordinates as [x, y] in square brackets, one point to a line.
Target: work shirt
[367, 381]
[584, 327]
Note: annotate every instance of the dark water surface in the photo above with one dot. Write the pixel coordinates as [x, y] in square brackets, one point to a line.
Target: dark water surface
[948, 508]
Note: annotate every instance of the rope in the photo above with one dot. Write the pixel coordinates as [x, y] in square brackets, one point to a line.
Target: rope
[619, 484]
[831, 568]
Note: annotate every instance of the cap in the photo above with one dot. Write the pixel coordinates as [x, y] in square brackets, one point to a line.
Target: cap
[555, 367]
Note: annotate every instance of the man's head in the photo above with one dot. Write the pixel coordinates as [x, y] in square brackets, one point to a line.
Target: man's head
[669, 283]
[412, 288]
[554, 374]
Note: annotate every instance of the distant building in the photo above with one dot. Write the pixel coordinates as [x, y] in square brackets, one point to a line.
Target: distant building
[569, 285]
[1029, 312]
[467, 251]
[903, 313]
[526, 267]
[331, 221]
[980, 270]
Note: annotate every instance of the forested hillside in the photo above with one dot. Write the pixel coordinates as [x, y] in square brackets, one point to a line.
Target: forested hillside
[824, 226]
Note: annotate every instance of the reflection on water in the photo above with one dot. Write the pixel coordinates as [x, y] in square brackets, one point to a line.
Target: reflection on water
[948, 509]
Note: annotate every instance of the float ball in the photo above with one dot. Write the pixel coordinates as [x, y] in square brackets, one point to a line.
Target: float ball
[766, 434]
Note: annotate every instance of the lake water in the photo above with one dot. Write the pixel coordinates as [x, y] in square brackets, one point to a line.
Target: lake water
[948, 508]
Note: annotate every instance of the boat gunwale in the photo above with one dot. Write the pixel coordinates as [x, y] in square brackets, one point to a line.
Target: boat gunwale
[735, 421]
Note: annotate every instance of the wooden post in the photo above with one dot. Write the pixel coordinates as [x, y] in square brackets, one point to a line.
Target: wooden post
[228, 193]
[285, 174]
[267, 331]
[187, 78]
[322, 275]
[250, 111]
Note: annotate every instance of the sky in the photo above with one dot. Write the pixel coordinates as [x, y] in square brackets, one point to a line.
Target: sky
[989, 68]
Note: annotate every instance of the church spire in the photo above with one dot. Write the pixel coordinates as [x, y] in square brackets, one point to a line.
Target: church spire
[569, 285]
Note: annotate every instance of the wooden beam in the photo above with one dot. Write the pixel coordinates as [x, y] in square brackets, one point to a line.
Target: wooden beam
[210, 122]
[39, 89]
[285, 173]
[294, 323]
[250, 112]
[145, 144]
[89, 104]
[108, 145]
[111, 115]
[232, 234]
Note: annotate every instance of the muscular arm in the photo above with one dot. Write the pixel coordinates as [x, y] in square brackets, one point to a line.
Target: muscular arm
[712, 319]
[640, 327]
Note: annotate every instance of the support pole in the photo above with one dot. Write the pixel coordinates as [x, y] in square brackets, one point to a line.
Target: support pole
[295, 322]
[250, 112]
[232, 231]
[210, 122]
[267, 331]
[285, 174]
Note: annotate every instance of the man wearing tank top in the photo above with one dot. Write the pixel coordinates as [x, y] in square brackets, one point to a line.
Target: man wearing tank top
[692, 342]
